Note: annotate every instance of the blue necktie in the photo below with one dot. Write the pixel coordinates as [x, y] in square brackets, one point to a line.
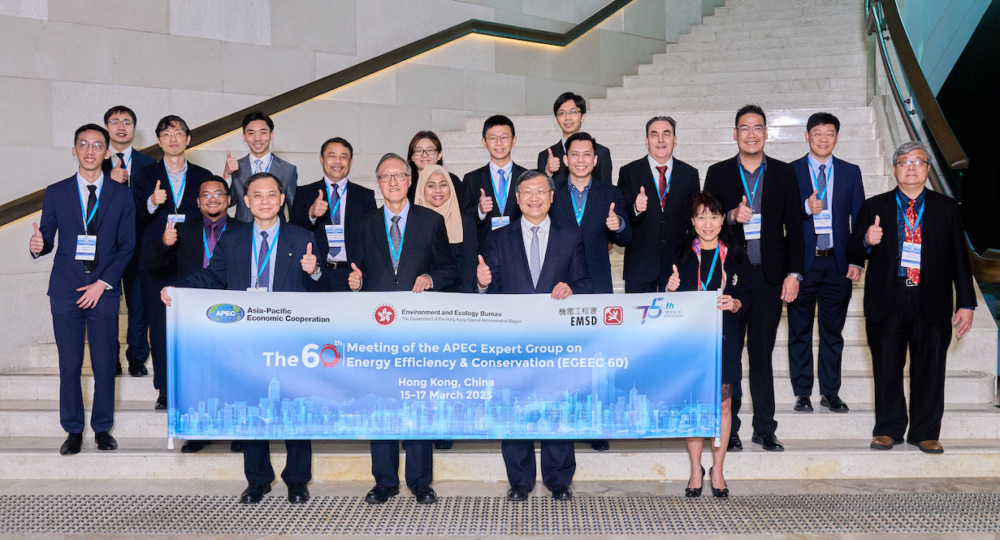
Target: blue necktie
[823, 241]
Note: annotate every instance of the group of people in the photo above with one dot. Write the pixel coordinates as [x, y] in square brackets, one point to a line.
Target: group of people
[762, 232]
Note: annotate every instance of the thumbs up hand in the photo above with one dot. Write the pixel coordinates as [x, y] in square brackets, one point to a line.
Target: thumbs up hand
[308, 262]
[354, 278]
[232, 165]
[675, 280]
[874, 235]
[641, 201]
[483, 275]
[319, 206]
[743, 212]
[485, 202]
[170, 234]
[815, 205]
[552, 164]
[613, 222]
[119, 174]
[159, 195]
[37, 243]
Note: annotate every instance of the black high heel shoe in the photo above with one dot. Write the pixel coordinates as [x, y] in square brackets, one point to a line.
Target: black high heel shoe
[720, 493]
[695, 492]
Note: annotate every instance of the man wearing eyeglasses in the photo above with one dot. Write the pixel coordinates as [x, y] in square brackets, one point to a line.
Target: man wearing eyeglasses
[914, 242]
[401, 247]
[258, 134]
[490, 185]
[95, 221]
[570, 110]
[761, 199]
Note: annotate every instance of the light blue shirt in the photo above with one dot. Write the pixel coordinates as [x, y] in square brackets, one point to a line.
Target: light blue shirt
[403, 214]
[271, 232]
[814, 174]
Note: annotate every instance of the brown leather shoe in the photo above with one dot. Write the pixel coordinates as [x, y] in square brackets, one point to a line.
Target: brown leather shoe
[929, 447]
[883, 442]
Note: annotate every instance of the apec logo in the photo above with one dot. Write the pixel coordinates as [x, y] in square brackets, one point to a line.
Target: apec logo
[658, 308]
[225, 313]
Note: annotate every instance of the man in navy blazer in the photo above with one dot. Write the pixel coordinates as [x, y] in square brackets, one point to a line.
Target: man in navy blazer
[334, 229]
[95, 220]
[831, 193]
[535, 255]
[570, 110]
[258, 133]
[490, 185]
[291, 266]
[124, 162]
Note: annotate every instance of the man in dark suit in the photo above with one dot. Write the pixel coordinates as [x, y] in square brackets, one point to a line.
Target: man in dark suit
[258, 133]
[570, 110]
[166, 191]
[401, 248]
[246, 258]
[120, 123]
[830, 209]
[658, 224]
[490, 184]
[95, 220]
[536, 255]
[909, 299]
[761, 200]
[349, 203]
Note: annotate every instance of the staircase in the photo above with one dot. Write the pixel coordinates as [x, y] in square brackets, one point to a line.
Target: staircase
[793, 57]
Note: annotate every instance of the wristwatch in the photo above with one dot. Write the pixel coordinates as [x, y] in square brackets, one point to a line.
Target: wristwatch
[796, 275]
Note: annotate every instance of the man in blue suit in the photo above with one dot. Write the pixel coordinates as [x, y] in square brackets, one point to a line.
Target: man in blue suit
[490, 185]
[266, 255]
[536, 255]
[95, 220]
[831, 193]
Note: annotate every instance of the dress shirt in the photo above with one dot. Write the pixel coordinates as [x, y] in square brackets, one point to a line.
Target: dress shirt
[128, 158]
[341, 211]
[271, 232]
[753, 246]
[495, 178]
[814, 177]
[265, 165]
[543, 239]
[901, 223]
[82, 184]
[176, 179]
[580, 198]
[207, 225]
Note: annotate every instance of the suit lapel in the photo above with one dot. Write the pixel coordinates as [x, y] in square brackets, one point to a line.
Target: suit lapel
[888, 223]
[283, 255]
[381, 239]
[243, 247]
[413, 224]
[104, 202]
[520, 254]
[548, 258]
[73, 194]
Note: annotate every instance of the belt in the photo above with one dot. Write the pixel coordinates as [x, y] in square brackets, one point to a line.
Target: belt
[828, 252]
[338, 264]
[906, 282]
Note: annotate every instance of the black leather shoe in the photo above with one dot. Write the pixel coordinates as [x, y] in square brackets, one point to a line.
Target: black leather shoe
[600, 446]
[254, 493]
[803, 404]
[562, 493]
[442, 445]
[161, 403]
[518, 494]
[425, 495]
[719, 493]
[236, 446]
[691, 492]
[191, 447]
[298, 493]
[72, 444]
[834, 403]
[137, 370]
[767, 441]
[380, 494]
[105, 441]
[735, 444]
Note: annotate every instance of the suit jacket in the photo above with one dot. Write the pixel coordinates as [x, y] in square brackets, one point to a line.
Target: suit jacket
[115, 217]
[593, 227]
[360, 201]
[657, 235]
[139, 162]
[283, 170]
[186, 256]
[425, 251]
[781, 219]
[153, 225]
[564, 261]
[944, 261]
[466, 255]
[230, 265]
[848, 194]
[480, 179]
[737, 285]
[602, 172]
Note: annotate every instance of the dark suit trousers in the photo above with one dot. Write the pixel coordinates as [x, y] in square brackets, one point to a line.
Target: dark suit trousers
[634, 286]
[337, 278]
[419, 463]
[257, 462]
[156, 315]
[762, 329]
[823, 282]
[138, 344]
[905, 327]
[100, 325]
[558, 462]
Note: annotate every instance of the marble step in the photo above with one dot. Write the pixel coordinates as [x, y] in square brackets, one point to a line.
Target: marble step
[828, 100]
[770, 10]
[803, 54]
[815, 21]
[847, 88]
[749, 43]
[671, 79]
[750, 67]
[851, 28]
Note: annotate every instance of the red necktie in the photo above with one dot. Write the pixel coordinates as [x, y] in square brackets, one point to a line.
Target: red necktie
[663, 186]
[912, 236]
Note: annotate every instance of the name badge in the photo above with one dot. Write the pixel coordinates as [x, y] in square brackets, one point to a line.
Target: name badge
[174, 219]
[823, 222]
[751, 229]
[911, 255]
[335, 236]
[256, 289]
[501, 221]
[86, 247]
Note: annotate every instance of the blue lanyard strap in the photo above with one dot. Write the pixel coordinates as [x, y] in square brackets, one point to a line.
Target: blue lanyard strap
[666, 187]
[829, 180]
[83, 210]
[501, 197]
[394, 251]
[256, 249]
[204, 239]
[329, 198]
[177, 194]
[578, 211]
[711, 269]
[751, 196]
[906, 220]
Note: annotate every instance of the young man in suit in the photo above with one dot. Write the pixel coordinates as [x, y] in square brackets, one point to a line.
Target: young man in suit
[401, 248]
[658, 191]
[831, 193]
[761, 200]
[909, 298]
[95, 220]
[120, 122]
[332, 208]
[258, 133]
[490, 184]
[166, 191]
[285, 262]
[536, 255]
[570, 110]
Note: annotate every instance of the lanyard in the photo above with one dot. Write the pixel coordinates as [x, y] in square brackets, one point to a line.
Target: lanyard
[268, 168]
[177, 194]
[720, 251]
[83, 210]
[666, 188]
[501, 197]
[829, 180]
[127, 163]
[906, 220]
[751, 196]
[578, 211]
[204, 239]
[329, 197]
[393, 250]
[256, 249]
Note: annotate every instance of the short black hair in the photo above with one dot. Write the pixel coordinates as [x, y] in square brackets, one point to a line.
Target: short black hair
[498, 120]
[581, 136]
[667, 119]
[170, 120]
[261, 176]
[257, 115]
[338, 140]
[821, 119]
[566, 96]
[92, 127]
[750, 109]
[119, 109]
[214, 178]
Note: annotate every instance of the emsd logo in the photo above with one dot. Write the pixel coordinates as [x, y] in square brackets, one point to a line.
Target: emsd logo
[225, 313]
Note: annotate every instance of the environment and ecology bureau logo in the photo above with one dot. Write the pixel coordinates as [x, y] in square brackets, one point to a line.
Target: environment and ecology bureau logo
[225, 313]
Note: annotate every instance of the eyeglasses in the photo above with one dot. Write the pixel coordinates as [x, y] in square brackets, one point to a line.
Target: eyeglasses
[124, 123]
[534, 192]
[87, 145]
[571, 112]
[912, 163]
[398, 177]
[269, 196]
[492, 139]
[425, 151]
[757, 130]
[219, 195]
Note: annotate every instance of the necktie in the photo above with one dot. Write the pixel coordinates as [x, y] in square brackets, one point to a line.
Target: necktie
[212, 239]
[823, 241]
[121, 160]
[258, 164]
[535, 259]
[92, 225]
[914, 237]
[334, 216]
[396, 238]
[502, 188]
[662, 169]
[263, 263]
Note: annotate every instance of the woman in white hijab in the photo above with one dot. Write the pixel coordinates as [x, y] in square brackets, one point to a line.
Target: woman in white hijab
[435, 190]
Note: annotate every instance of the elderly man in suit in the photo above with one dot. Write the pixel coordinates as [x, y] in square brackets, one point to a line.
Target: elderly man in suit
[258, 133]
[570, 110]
